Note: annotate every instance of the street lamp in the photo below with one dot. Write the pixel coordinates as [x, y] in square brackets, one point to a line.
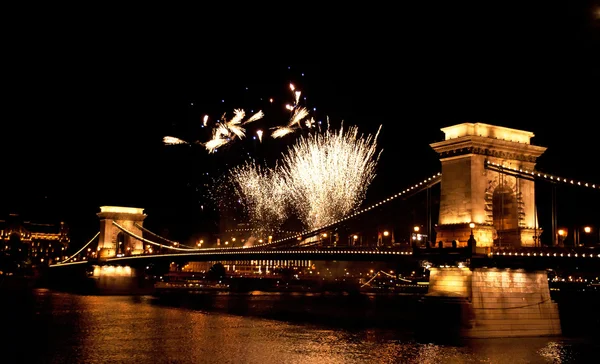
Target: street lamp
[415, 235]
[587, 230]
[562, 234]
[471, 243]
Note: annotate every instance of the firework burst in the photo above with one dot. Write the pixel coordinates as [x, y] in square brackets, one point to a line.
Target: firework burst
[327, 174]
[263, 193]
[226, 131]
[298, 114]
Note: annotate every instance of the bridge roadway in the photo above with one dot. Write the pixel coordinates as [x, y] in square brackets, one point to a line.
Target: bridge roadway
[582, 259]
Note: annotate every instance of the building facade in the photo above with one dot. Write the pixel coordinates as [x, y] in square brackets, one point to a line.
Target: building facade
[32, 243]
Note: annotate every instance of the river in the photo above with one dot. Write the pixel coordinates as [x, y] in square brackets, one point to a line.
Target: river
[45, 326]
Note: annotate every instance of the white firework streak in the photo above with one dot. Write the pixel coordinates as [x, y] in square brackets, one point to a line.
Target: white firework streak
[173, 140]
[215, 143]
[237, 130]
[310, 123]
[298, 115]
[263, 193]
[257, 116]
[282, 131]
[238, 116]
[327, 174]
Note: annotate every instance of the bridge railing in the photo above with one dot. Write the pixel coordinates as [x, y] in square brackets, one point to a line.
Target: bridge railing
[548, 251]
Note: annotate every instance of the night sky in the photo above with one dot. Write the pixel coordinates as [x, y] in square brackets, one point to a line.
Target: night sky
[84, 115]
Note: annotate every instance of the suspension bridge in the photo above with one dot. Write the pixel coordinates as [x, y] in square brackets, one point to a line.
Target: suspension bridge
[487, 197]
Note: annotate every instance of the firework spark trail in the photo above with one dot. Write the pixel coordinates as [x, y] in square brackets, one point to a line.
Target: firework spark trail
[238, 115]
[263, 194]
[327, 174]
[298, 115]
[257, 116]
[169, 140]
[215, 143]
[282, 131]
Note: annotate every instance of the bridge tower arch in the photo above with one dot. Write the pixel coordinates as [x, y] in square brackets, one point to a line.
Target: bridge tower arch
[501, 205]
[112, 240]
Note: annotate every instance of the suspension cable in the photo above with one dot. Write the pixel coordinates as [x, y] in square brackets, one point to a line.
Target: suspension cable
[79, 251]
[158, 236]
[149, 241]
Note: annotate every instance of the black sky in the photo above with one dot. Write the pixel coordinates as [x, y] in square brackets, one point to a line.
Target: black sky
[86, 106]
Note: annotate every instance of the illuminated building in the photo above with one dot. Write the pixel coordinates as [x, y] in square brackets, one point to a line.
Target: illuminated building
[36, 243]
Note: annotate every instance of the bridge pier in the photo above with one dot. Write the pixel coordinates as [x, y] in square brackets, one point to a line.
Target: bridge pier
[490, 303]
[96, 279]
[119, 280]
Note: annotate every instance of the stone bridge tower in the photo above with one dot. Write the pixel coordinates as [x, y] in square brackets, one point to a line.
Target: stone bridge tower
[113, 241]
[501, 205]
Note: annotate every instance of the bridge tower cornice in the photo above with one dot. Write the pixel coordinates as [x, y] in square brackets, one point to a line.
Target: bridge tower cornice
[121, 216]
[474, 144]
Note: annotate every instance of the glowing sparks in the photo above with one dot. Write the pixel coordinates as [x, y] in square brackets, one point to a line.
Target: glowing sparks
[213, 144]
[298, 114]
[237, 130]
[262, 191]
[282, 131]
[225, 131]
[327, 174]
[169, 140]
[322, 177]
[310, 123]
[257, 116]
[238, 115]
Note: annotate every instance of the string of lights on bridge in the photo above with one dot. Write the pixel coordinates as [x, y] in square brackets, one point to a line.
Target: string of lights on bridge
[328, 252]
[254, 230]
[567, 255]
[546, 176]
[266, 252]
